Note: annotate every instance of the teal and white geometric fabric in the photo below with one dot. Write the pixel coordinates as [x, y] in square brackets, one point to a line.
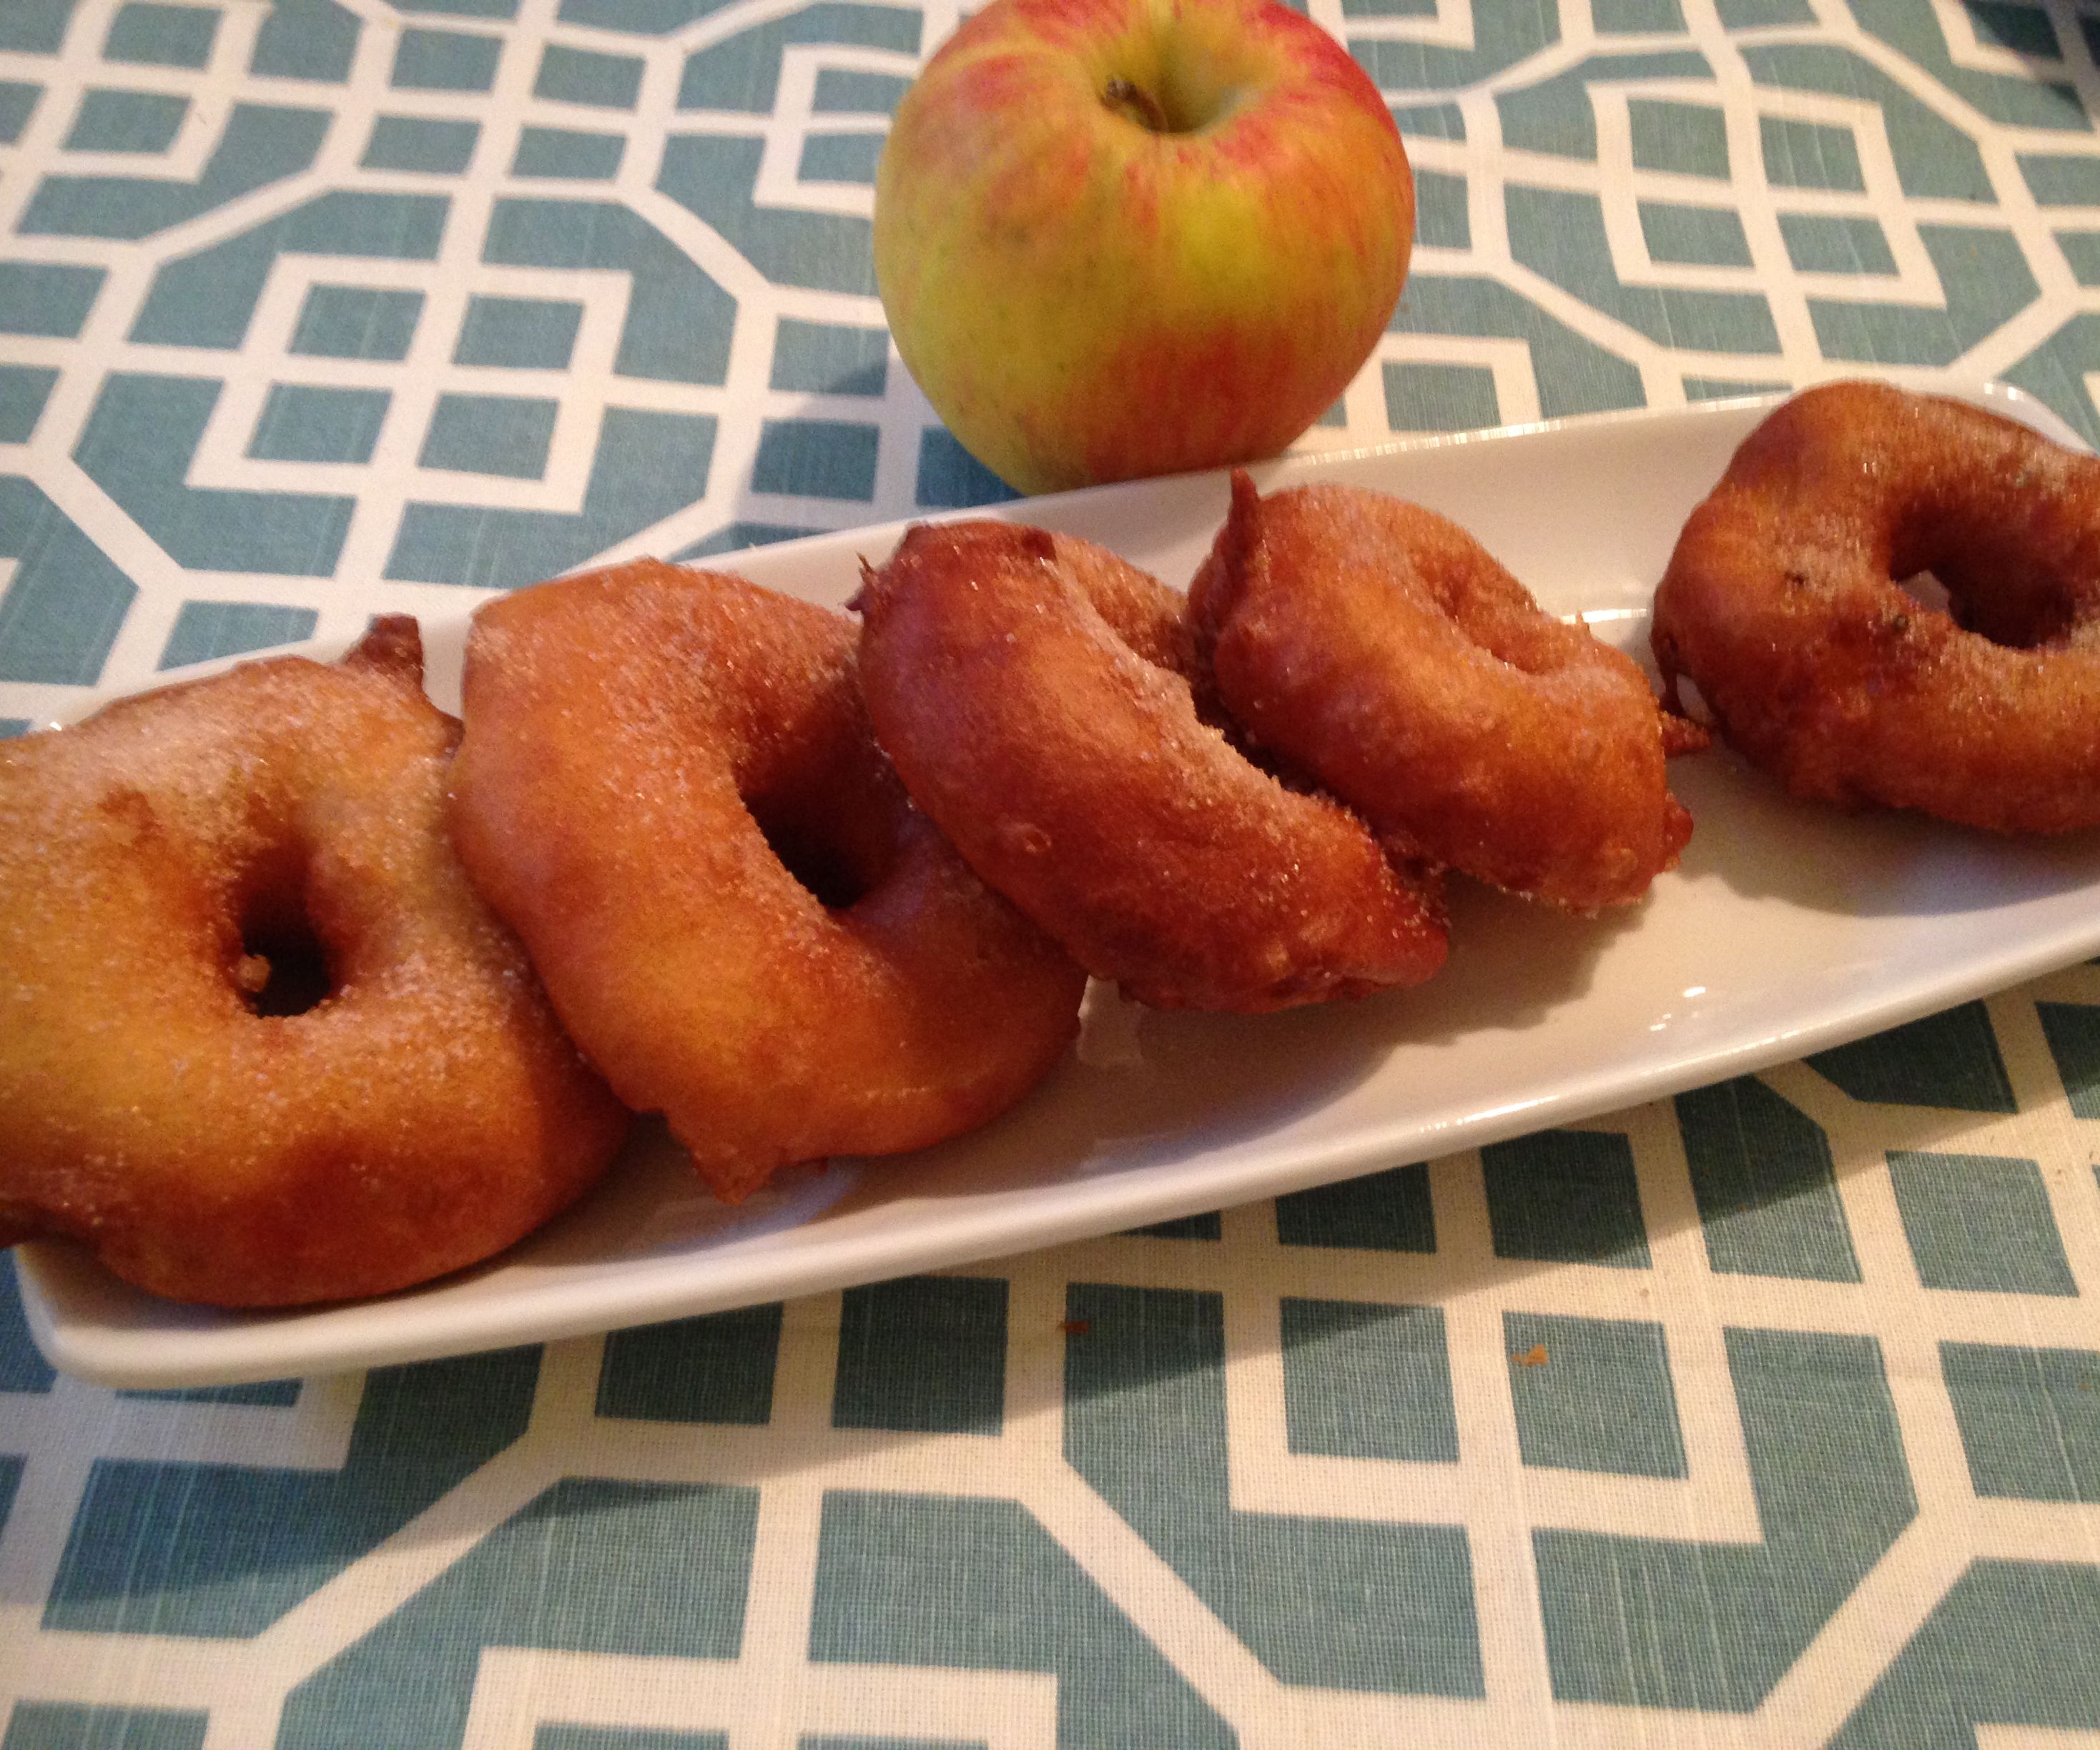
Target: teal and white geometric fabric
[1767, 1416]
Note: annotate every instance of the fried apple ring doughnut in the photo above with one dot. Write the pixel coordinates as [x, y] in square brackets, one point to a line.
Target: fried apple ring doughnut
[1782, 603]
[1031, 689]
[1382, 648]
[632, 738]
[155, 1101]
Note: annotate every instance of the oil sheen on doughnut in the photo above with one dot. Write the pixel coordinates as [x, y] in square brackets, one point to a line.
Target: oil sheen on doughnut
[643, 747]
[1783, 603]
[1382, 648]
[1032, 690]
[261, 1043]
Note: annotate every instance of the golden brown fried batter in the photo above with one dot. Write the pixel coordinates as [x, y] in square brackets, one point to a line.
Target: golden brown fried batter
[1382, 648]
[1783, 603]
[643, 747]
[1032, 691]
[163, 866]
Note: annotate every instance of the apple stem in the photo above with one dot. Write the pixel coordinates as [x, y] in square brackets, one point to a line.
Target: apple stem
[1137, 104]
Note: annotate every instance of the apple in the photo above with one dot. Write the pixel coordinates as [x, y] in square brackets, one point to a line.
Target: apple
[1118, 238]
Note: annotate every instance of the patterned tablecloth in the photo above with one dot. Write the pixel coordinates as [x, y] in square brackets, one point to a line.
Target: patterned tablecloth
[1770, 1415]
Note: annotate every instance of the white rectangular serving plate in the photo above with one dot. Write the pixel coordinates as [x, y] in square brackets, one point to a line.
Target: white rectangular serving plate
[1788, 927]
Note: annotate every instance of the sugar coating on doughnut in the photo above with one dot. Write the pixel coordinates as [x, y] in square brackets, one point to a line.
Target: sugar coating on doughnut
[1783, 603]
[1382, 648]
[1033, 692]
[420, 1111]
[642, 745]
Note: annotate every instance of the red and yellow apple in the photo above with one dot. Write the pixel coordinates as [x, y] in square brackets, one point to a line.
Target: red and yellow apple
[1117, 238]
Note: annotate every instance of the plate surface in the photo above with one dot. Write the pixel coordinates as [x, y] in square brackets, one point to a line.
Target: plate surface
[1788, 927]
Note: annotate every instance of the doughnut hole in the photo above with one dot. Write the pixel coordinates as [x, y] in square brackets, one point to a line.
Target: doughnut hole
[2004, 564]
[829, 812]
[283, 967]
[835, 870]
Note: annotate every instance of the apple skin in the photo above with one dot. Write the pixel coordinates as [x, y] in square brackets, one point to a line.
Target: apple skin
[1083, 296]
